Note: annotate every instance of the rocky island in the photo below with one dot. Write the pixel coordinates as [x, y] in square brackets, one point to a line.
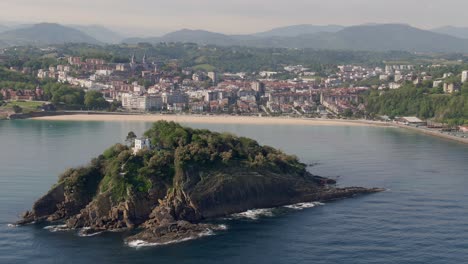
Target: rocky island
[175, 179]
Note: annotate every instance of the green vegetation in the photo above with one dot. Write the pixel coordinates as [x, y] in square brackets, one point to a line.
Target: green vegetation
[209, 58]
[64, 96]
[15, 80]
[204, 67]
[424, 102]
[95, 100]
[177, 149]
[194, 147]
[82, 183]
[21, 106]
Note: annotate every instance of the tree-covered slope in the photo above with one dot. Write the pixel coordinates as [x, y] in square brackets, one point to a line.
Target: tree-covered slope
[422, 102]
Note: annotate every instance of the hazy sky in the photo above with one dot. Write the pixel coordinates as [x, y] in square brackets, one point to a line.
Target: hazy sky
[238, 16]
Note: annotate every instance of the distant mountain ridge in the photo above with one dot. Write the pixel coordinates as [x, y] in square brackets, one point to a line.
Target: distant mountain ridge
[368, 37]
[45, 34]
[459, 32]
[371, 37]
[297, 30]
[100, 33]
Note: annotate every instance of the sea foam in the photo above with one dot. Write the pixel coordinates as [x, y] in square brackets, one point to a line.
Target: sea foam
[254, 214]
[141, 243]
[302, 206]
[57, 228]
[82, 232]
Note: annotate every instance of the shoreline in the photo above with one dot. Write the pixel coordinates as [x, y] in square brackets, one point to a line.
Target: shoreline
[215, 119]
[235, 120]
[434, 133]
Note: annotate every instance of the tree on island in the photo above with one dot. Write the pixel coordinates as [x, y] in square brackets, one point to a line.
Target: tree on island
[131, 138]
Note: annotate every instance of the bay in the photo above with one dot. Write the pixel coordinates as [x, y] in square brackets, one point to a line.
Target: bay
[420, 219]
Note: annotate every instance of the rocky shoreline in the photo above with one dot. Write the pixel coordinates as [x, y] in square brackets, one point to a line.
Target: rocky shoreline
[161, 228]
[169, 193]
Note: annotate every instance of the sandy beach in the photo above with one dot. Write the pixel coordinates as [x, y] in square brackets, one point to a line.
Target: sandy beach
[250, 120]
[212, 119]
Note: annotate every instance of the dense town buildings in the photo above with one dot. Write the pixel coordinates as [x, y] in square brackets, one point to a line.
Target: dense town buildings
[141, 85]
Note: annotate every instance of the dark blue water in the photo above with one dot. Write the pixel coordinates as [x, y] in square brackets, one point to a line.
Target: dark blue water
[422, 218]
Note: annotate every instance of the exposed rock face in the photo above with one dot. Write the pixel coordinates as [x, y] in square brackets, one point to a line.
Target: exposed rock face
[169, 193]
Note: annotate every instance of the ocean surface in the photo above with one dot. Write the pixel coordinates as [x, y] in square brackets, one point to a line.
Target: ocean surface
[422, 218]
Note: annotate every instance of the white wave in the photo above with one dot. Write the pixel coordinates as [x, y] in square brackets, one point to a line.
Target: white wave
[141, 243]
[302, 206]
[57, 228]
[222, 227]
[12, 225]
[254, 214]
[83, 234]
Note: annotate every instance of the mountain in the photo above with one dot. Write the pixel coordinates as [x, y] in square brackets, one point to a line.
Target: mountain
[370, 37]
[296, 30]
[459, 32]
[165, 191]
[201, 37]
[100, 33]
[45, 34]
[383, 38]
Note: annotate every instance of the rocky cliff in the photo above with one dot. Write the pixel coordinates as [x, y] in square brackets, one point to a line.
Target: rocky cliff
[187, 177]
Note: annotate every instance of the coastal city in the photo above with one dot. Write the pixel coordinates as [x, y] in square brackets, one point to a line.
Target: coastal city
[207, 132]
[146, 86]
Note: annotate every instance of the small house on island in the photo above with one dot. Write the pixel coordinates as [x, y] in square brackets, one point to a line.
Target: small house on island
[412, 120]
[141, 143]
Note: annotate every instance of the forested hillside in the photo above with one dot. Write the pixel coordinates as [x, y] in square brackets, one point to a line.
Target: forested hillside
[422, 102]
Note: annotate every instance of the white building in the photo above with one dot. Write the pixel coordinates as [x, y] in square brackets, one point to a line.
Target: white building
[464, 76]
[213, 76]
[451, 88]
[141, 103]
[383, 77]
[141, 143]
[398, 77]
[267, 74]
[436, 83]
[394, 86]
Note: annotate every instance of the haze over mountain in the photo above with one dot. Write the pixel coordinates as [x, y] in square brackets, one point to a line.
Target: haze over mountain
[460, 32]
[100, 33]
[296, 30]
[372, 37]
[45, 34]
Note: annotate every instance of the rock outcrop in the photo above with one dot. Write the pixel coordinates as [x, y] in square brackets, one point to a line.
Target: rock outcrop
[168, 192]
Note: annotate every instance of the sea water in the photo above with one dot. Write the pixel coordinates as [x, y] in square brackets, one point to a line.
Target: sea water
[421, 218]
